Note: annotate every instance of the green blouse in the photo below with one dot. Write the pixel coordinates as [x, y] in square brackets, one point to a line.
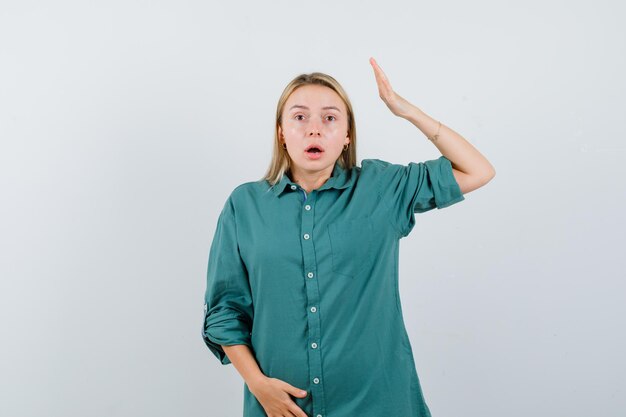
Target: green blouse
[310, 283]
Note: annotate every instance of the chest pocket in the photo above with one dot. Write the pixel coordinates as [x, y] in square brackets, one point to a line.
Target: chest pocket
[351, 246]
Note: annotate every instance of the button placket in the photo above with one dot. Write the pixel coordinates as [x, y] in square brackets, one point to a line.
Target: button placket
[313, 299]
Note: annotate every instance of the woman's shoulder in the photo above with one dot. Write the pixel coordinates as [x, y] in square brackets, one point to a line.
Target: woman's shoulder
[377, 166]
[373, 168]
[245, 188]
[248, 186]
[248, 190]
[373, 164]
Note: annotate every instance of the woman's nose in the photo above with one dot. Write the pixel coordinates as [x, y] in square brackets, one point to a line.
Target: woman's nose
[314, 128]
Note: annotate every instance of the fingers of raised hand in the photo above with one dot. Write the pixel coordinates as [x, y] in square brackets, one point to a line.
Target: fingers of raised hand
[384, 86]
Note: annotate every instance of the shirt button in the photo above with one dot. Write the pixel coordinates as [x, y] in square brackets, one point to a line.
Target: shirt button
[306, 235]
[314, 345]
[293, 187]
[307, 207]
[310, 275]
[319, 415]
[313, 309]
[316, 380]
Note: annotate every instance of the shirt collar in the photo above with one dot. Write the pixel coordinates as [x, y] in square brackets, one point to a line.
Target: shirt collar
[339, 179]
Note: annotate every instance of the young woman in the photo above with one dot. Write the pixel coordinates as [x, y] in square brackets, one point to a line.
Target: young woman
[302, 282]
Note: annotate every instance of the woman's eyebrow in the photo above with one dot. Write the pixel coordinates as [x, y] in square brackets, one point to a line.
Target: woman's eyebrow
[306, 108]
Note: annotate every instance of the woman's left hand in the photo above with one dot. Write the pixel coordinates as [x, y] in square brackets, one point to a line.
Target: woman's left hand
[398, 105]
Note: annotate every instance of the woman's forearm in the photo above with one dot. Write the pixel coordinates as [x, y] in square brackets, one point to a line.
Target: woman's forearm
[242, 358]
[463, 156]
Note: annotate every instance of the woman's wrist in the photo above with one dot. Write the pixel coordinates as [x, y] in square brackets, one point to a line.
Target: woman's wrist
[243, 360]
[414, 115]
[429, 126]
[256, 379]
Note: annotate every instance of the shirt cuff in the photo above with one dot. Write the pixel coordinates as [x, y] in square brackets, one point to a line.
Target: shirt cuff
[445, 188]
[225, 329]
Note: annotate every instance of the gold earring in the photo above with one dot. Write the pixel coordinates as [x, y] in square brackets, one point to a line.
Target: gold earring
[285, 146]
[345, 148]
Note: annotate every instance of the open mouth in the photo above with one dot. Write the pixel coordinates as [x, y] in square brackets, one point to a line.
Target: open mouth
[314, 149]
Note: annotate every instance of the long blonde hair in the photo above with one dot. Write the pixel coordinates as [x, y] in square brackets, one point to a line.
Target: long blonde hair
[281, 162]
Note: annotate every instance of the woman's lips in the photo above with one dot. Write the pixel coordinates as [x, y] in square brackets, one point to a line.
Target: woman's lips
[314, 155]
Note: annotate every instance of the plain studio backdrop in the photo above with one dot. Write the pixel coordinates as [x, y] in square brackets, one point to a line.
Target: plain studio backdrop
[124, 127]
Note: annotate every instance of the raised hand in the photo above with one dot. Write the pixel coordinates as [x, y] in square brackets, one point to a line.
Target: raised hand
[398, 105]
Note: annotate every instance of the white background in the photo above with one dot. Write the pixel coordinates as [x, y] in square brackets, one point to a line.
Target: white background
[125, 125]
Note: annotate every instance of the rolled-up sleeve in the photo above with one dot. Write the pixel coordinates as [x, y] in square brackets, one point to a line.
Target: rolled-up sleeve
[228, 308]
[416, 188]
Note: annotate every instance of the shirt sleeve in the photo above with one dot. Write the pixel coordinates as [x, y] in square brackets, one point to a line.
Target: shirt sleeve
[415, 188]
[228, 309]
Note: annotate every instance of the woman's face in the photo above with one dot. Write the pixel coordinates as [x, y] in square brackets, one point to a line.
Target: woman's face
[314, 115]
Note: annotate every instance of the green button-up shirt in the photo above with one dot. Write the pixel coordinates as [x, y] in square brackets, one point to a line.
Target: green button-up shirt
[310, 283]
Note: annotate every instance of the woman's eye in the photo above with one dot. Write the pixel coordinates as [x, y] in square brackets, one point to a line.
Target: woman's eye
[297, 117]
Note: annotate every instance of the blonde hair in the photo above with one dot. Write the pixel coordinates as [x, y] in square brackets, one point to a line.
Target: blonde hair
[281, 162]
